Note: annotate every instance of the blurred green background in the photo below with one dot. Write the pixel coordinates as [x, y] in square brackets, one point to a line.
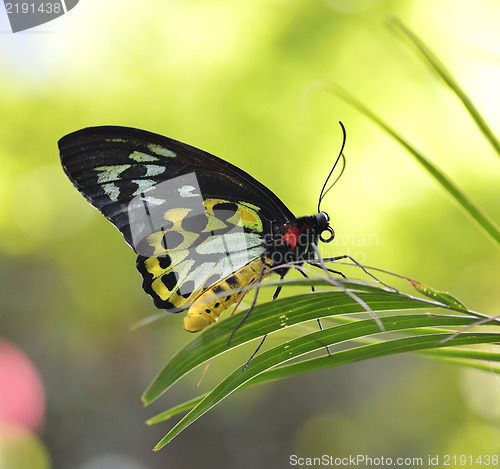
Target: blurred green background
[237, 79]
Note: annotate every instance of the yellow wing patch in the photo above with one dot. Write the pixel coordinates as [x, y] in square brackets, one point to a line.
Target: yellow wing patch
[195, 253]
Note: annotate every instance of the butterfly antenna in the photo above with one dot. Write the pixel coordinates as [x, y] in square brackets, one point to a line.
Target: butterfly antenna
[341, 155]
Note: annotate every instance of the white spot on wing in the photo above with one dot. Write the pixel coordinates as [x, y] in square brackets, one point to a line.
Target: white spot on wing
[236, 260]
[107, 175]
[229, 243]
[143, 185]
[154, 169]
[141, 157]
[152, 200]
[162, 151]
[112, 190]
[187, 191]
[110, 173]
[198, 275]
[115, 140]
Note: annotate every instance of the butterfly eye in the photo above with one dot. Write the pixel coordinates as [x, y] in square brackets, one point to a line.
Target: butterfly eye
[322, 220]
[330, 238]
[322, 225]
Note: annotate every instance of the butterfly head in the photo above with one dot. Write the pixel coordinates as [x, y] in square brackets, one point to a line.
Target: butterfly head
[322, 226]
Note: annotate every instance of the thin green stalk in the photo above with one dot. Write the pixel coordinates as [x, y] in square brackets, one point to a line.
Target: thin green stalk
[261, 368]
[475, 212]
[447, 77]
[477, 359]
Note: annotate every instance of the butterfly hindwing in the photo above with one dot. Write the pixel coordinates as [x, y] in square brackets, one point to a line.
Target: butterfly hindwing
[227, 239]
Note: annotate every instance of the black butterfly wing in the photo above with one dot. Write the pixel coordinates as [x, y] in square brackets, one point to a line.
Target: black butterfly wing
[111, 165]
[192, 217]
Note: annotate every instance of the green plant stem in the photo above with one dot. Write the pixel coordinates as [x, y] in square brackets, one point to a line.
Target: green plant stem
[447, 77]
[480, 218]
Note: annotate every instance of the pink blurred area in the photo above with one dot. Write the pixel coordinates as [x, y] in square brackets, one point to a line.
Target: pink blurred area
[22, 398]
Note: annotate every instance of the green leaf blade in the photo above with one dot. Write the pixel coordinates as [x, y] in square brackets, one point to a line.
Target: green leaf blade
[437, 66]
[262, 368]
[473, 210]
[265, 319]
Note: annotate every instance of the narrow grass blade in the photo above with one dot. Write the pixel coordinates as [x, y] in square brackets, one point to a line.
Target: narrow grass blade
[481, 219]
[179, 409]
[486, 363]
[439, 295]
[485, 360]
[447, 77]
[262, 367]
[268, 318]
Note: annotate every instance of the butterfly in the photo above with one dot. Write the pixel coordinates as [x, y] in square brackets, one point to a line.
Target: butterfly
[201, 227]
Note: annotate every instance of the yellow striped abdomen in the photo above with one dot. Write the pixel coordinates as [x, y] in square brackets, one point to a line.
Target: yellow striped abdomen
[207, 308]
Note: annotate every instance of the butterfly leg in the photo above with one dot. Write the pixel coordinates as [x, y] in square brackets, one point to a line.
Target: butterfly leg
[255, 352]
[278, 290]
[276, 294]
[348, 292]
[259, 279]
[336, 272]
[319, 319]
[355, 262]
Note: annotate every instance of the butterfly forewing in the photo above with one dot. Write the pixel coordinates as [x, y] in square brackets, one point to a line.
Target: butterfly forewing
[191, 217]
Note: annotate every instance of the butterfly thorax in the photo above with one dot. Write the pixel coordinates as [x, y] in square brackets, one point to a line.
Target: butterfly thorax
[292, 242]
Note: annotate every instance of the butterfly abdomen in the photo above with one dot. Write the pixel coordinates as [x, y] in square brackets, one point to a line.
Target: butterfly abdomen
[213, 302]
